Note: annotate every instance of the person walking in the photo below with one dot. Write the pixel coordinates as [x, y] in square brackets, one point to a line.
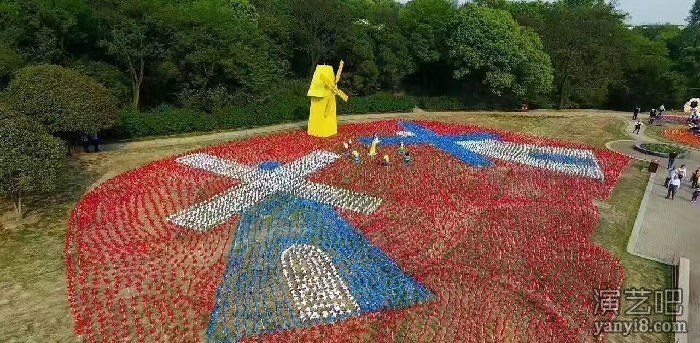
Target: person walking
[673, 188]
[671, 174]
[95, 142]
[637, 126]
[635, 116]
[86, 142]
[682, 172]
[696, 194]
[662, 109]
[694, 178]
[672, 159]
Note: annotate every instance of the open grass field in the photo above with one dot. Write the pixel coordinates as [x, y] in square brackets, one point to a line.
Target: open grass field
[33, 293]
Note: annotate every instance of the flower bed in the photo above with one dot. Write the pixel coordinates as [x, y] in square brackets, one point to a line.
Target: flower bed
[660, 150]
[435, 250]
[673, 119]
[683, 136]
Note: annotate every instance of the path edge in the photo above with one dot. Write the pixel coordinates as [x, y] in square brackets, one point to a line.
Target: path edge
[634, 237]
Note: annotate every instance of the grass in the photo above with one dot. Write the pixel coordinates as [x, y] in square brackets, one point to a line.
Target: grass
[33, 296]
[617, 219]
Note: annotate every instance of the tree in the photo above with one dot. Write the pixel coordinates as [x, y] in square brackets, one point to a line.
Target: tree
[585, 41]
[423, 23]
[10, 62]
[62, 99]
[694, 17]
[31, 160]
[47, 31]
[318, 27]
[220, 50]
[648, 75]
[134, 38]
[487, 46]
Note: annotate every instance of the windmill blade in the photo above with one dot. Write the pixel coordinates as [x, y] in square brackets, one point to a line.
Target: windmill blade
[340, 71]
[341, 94]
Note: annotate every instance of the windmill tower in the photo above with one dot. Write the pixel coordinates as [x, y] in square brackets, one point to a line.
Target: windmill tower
[323, 121]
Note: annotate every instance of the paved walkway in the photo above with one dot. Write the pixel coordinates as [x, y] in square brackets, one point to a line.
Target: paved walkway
[666, 230]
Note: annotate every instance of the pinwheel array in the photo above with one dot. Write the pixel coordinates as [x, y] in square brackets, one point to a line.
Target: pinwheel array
[683, 136]
[503, 253]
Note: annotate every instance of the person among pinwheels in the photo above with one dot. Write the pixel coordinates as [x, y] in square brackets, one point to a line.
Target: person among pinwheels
[323, 90]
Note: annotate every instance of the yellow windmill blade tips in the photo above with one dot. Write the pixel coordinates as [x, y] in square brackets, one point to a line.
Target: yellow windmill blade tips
[341, 94]
[340, 72]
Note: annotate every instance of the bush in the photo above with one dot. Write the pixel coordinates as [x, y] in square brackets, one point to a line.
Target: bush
[30, 159]
[378, 103]
[110, 76]
[163, 121]
[62, 99]
[286, 108]
[288, 103]
[441, 103]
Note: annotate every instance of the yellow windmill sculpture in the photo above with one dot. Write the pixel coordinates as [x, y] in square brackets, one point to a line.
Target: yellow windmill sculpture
[323, 90]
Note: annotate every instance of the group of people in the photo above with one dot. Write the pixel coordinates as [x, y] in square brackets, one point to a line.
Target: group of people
[654, 114]
[88, 140]
[675, 178]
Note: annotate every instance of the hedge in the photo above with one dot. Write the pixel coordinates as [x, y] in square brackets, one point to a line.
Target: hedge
[280, 109]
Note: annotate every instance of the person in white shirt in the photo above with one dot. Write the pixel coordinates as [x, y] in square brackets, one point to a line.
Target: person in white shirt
[671, 174]
[637, 126]
[673, 188]
[682, 171]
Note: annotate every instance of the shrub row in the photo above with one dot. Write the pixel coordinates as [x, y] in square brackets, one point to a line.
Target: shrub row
[280, 109]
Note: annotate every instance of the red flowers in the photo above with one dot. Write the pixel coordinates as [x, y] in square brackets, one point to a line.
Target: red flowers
[683, 136]
[506, 250]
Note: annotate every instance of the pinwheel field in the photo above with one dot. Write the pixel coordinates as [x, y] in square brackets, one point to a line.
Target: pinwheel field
[442, 249]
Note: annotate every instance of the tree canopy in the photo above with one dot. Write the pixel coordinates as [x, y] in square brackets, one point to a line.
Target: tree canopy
[62, 99]
[205, 55]
[488, 46]
[30, 159]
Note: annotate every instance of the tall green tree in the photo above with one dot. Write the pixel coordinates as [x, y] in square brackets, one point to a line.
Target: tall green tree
[31, 160]
[318, 28]
[10, 62]
[47, 31]
[134, 37]
[585, 40]
[488, 47]
[221, 49]
[424, 23]
[694, 17]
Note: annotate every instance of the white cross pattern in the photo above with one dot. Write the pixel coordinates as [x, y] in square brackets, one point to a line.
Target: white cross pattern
[259, 184]
[523, 154]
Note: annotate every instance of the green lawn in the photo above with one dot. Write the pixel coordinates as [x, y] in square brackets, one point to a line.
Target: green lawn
[617, 219]
[33, 296]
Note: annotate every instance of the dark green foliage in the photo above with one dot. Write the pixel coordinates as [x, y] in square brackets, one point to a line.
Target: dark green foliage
[488, 48]
[10, 62]
[162, 121]
[441, 103]
[108, 75]
[378, 103]
[62, 99]
[694, 17]
[31, 160]
[217, 64]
